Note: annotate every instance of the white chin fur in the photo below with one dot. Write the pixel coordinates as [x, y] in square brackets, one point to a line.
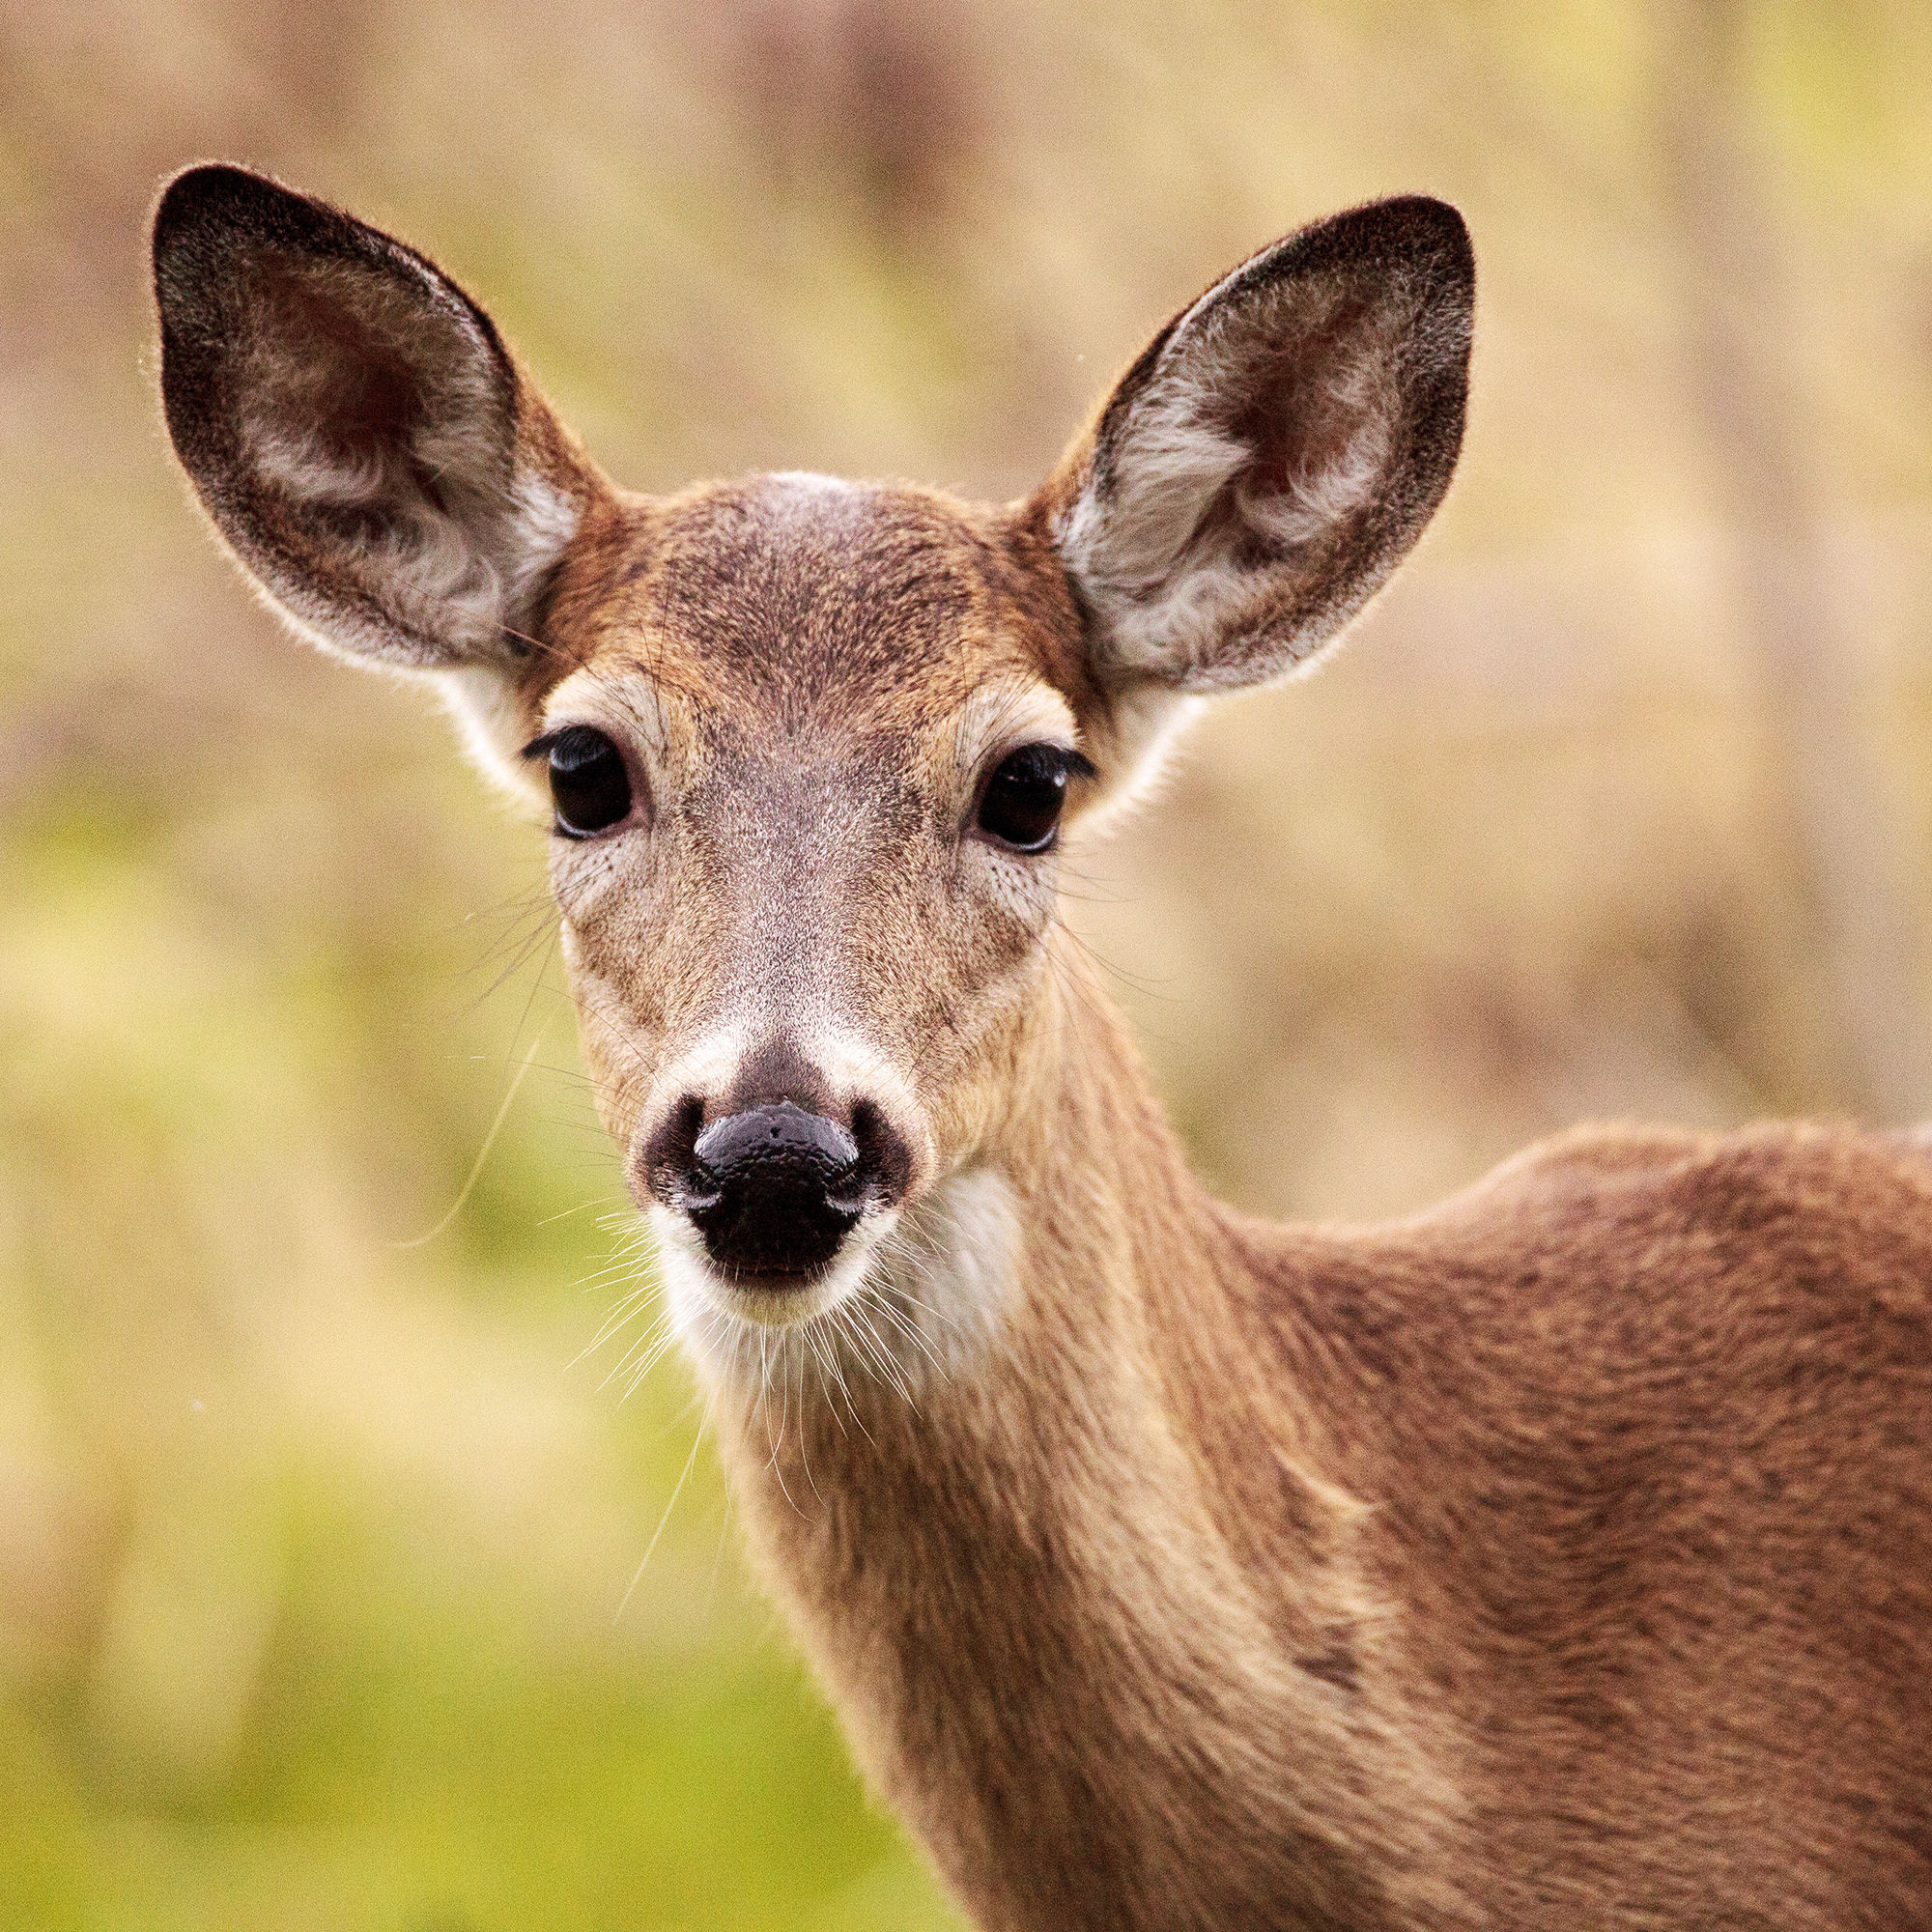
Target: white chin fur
[930, 1285]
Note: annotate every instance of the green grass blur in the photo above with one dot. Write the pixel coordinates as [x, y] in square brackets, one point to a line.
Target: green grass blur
[318, 1540]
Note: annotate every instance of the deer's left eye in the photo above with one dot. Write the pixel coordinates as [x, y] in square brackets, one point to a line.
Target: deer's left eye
[1024, 797]
[588, 784]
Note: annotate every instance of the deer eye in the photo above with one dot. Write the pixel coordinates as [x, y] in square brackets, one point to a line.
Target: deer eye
[588, 784]
[1021, 804]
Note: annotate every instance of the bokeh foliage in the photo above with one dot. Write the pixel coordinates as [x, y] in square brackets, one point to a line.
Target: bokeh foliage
[315, 1546]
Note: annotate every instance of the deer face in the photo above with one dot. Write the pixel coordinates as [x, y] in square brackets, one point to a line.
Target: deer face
[811, 747]
[809, 774]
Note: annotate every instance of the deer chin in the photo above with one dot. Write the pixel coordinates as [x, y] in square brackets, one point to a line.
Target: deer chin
[710, 1304]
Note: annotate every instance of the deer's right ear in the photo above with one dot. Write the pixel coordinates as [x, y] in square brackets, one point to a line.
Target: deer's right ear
[355, 428]
[1266, 463]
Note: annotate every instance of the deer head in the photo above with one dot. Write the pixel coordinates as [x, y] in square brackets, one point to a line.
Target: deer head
[812, 749]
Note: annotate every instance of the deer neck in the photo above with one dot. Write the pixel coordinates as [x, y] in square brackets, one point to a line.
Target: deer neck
[1019, 1527]
[1054, 1288]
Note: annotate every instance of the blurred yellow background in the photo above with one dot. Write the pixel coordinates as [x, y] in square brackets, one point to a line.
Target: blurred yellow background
[313, 1543]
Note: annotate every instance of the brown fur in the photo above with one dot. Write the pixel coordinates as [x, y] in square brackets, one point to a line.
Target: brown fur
[1560, 1558]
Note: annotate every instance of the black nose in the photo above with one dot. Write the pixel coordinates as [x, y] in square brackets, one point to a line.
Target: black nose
[774, 1190]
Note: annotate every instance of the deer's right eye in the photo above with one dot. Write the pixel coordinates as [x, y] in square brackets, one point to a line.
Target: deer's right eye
[588, 784]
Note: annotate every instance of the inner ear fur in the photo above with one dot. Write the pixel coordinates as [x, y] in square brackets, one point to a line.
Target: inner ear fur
[357, 431]
[1272, 456]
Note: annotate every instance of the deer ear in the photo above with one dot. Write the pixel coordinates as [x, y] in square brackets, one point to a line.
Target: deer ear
[355, 428]
[1271, 457]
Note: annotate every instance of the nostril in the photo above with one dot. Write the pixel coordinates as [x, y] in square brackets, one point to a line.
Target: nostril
[885, 1161]
[668, 1162]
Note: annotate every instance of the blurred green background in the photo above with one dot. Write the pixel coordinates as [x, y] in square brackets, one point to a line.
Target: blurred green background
[314, 1545]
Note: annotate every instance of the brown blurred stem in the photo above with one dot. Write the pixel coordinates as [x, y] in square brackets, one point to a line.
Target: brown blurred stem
[1828, 795]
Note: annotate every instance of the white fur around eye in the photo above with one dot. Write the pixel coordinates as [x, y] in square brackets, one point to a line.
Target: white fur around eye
[1020, 885]
[999, 718]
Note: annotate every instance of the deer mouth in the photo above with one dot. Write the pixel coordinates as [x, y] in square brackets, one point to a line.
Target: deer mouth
[762, 1296]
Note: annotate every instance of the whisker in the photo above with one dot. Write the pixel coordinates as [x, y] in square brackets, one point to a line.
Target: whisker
[683, 1478]
[483, 1153]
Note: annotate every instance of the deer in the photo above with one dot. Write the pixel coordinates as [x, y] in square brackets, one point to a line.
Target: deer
[1557, 1557]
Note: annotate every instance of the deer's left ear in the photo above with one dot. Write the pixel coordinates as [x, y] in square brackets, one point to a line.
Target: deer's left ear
[1272, 455]
[358, 432]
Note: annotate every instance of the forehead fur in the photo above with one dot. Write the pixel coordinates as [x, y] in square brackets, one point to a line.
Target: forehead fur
[799, 601]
